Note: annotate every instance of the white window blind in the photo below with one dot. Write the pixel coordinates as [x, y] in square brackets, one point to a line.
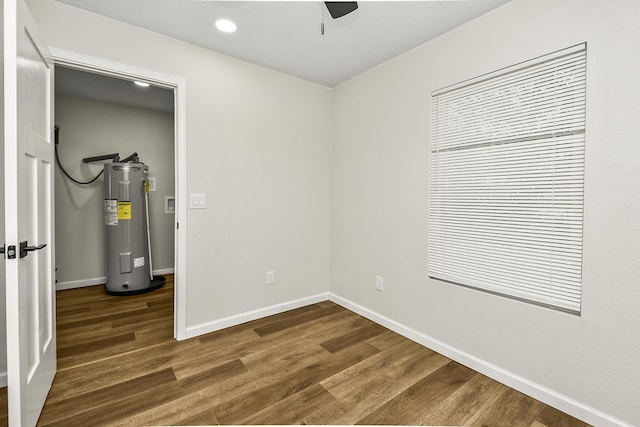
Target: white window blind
[507, 178]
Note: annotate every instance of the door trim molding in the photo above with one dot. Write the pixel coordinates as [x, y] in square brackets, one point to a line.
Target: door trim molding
[179, 86]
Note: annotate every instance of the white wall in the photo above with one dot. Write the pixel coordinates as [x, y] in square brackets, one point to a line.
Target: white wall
[258, 145]
[380, 204]
[90, 128]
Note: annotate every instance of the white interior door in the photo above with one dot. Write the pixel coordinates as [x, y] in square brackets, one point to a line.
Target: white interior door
[28, 168]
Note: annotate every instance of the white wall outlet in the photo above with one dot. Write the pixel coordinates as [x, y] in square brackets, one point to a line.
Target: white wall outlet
[198, 201]
[271, 277]
[152, 184]
[379, 283]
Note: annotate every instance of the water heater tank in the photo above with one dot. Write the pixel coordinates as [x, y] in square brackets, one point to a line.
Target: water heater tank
[125, 218]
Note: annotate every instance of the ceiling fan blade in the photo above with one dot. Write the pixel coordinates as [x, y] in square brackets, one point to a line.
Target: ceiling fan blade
[338, 9]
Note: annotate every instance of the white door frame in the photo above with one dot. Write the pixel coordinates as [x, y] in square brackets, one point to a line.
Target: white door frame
[179, 86]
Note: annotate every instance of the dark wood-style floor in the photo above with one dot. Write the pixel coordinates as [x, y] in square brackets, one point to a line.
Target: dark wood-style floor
[321, 364]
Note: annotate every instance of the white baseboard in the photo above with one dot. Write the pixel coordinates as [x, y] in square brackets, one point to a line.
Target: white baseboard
[99, 280]
[3, 379]
[204, 328]
[80, 283]
[537, 391]
[163, 271]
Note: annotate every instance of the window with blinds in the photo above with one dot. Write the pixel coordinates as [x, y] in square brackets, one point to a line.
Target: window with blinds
[507, 178]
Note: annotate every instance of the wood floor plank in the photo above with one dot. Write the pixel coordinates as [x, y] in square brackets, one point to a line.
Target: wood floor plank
[81, 379]
[260, 377]
[423, 361]
[476, 396]
[152, 331]
[107, 414]
[106, 395]
[174, 412]
[268, 364]
[148, 398]
[512, 408]
[329, 414]
[231, 412]
[422, 396]
[70, 360]
[213, 374]
[288, 341]
[361, 401]
[3, 407]
[150, 314]
[296, 320]
[388, 339]
[354, 377]
[79, 335]
[103, 345]
[353, 337]
[119, 316]
[79, 314]
[293, 409]
[551, 417]
[298, 339]
[391, 382]
[206, 418]
[252, 325]
[320, 364]
[72, 310]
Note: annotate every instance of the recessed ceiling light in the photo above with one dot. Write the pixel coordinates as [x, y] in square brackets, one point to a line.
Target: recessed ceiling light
[143, 84]
[226, 26]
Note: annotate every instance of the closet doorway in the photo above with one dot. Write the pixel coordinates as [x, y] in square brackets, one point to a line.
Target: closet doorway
[99, 115]
[165, 95]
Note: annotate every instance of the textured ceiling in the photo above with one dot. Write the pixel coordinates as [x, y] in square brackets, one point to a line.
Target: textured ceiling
[285, 36]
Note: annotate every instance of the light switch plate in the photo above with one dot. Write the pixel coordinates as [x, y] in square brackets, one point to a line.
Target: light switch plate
[198, 201]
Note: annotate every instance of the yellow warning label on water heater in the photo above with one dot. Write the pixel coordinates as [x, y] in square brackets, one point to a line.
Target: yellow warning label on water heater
[124, 210]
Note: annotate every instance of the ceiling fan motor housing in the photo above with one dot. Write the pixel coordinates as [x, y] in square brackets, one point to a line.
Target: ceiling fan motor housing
[338, 9]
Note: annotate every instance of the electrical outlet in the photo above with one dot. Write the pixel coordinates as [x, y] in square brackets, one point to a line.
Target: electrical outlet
[271, 277]
[379, 283]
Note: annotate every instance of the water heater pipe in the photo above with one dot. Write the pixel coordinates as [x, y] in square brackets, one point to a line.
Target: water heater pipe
[146, 203]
